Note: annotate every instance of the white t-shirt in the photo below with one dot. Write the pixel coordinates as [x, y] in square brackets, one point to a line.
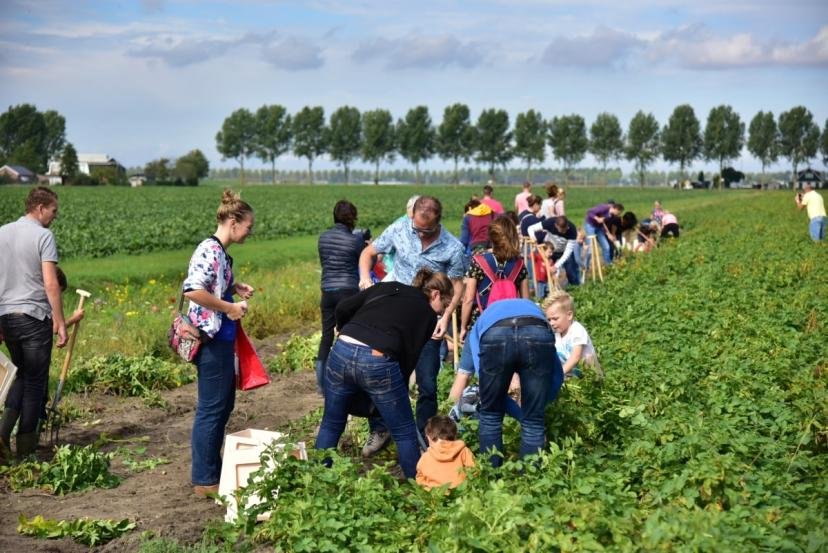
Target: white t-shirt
[576, 336]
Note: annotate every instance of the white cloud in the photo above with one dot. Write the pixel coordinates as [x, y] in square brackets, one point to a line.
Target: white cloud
[605, 47]
[293, 54]
[421, 52]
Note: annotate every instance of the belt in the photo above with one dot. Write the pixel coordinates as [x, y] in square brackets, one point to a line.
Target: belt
[520, 321]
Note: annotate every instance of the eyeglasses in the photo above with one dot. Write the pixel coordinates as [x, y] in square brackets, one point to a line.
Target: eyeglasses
[425, 231]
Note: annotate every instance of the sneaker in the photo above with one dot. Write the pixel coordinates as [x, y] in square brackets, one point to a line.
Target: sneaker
[376, 442]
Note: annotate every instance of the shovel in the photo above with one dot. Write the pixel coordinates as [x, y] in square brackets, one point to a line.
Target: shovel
[54, 420]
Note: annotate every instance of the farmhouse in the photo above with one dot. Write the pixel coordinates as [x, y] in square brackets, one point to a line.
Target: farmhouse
[88, 164]
[17, 174]
[809, 176]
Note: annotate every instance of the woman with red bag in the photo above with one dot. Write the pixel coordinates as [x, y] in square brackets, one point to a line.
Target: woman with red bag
[210, 288]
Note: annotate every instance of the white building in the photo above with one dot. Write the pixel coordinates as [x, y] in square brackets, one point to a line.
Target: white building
[87, 163]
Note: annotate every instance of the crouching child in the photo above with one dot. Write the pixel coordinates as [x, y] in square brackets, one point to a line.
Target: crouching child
[447, 457]
[572, 342]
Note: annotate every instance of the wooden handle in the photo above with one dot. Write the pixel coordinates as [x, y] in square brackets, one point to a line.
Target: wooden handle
[71, 346]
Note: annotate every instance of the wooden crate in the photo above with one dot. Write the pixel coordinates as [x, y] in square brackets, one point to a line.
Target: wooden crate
[242, 452]
[7, 374]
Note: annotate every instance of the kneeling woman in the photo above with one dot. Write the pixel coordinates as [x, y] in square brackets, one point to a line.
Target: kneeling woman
[381, 332]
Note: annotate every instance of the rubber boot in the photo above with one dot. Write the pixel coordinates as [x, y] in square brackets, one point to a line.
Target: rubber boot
[10, 417]
[26, 444]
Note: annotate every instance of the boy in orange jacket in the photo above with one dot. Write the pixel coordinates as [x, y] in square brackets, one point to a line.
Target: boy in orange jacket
[446, 458]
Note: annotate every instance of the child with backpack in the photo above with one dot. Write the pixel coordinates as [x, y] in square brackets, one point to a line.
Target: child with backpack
[492, 276]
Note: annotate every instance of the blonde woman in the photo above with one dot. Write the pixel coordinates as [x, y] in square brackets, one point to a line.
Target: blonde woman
[210, 288]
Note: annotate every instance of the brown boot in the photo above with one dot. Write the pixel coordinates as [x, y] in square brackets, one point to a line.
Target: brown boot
[203, 491]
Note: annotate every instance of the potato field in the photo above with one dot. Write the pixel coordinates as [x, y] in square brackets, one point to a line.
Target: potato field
[708, 432]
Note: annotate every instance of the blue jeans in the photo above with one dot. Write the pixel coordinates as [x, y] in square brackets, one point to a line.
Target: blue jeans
[528, 351]
[352, 370]
[514, 410]
[603, 241]
[426, 371]
[816, 228]
[467, 367]
[216, 398]
[30, 346]
[573, 273]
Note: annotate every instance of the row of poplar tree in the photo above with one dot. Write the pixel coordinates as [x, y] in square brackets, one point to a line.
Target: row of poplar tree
[374, 137]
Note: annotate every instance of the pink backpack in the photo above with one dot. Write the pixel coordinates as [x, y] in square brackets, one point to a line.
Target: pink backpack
[501, 287]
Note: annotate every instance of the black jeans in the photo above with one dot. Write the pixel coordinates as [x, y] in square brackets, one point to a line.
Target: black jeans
[30, 345]
[328, 304]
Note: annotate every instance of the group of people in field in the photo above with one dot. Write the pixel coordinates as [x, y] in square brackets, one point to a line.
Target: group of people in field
[386, 311]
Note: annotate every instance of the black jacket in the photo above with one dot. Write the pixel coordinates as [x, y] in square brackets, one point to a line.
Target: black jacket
[339, 251]
[393, 318]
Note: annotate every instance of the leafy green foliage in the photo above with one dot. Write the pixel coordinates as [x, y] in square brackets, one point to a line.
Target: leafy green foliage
[606, 140]
[415, 137]
[798, 136]
[530, 139]
[724, 135]
[136, 460]
[763, 139]
[681, 139]
[455, 135]
[709, 431]
[345, 136]
[378, 138]
[643, 142]
[310, 137]
[568, 139]
[73, 468]
[493, 138]
[87, 531]
[119, 375]
[273, 133]
[237, 137]
[298, 354]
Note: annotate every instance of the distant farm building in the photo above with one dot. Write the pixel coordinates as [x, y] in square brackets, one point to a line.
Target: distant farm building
[88, 164]
[17, 174]
[137, 180]
[809, 176]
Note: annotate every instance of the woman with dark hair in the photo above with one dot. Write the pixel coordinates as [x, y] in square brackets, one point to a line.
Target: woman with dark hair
[339, 250]
[210, 288]
[381, 333]
[503, 261]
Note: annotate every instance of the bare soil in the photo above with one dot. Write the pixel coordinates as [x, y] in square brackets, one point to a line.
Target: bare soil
[159, 500]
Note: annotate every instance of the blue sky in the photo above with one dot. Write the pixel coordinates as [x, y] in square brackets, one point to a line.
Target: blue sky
[140, 79]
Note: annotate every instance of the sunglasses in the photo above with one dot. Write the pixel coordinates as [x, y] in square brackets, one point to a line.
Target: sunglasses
[425, 231]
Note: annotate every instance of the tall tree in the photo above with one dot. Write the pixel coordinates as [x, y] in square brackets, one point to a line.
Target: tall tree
[530, 139]
[310, 137]
[158, 170]
[724, 136]
[763, 139]
[23, 134]
[415, 137]
[823, 144]
[55, 134]
[494, 139]
[642, 142]
[237, 137]
[272, 135]
[798, 137]
[606, 139]
[68, 163]
[455, 136]
[191, 167]
[378, 138]
[568, 139]
[681, 140]
[345, 137]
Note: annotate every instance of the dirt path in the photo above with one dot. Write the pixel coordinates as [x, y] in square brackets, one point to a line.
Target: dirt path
[159, 500]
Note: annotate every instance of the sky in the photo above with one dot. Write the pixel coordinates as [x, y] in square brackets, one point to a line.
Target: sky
[142, 79]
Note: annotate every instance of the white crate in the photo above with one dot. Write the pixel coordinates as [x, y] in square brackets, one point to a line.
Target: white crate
[242, 452]
[7, 373]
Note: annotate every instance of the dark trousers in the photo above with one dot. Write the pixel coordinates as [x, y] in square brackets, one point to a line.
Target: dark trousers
[30, 346]
[330, 299]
